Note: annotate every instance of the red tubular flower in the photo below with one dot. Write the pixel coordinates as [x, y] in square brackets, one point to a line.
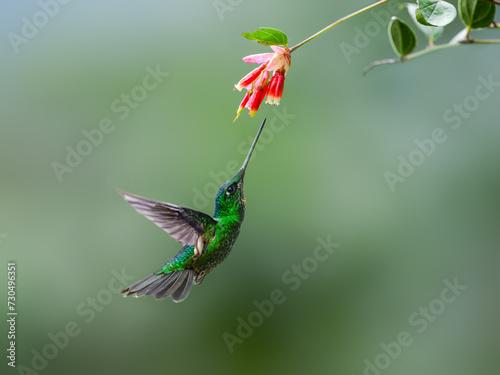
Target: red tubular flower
[255, 95]
[250, 77]
[276, 88]
[257, 81]
[256, 99]
[243, 103]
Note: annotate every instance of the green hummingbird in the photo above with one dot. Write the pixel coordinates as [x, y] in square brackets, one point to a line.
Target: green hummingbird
[207, 240]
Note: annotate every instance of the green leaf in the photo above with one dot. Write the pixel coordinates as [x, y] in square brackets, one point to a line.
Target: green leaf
[267, 36]
[420, 18]
[431, 32]
[476, 14]
[484, 15]
[466, 10]
[435, 12]
[402, 37]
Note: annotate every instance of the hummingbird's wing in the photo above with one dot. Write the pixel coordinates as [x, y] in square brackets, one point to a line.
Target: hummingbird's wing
[182, 224]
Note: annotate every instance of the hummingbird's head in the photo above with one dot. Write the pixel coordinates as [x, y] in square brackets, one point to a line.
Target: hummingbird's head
[230, 199]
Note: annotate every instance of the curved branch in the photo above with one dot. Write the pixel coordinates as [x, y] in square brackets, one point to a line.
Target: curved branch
[434, 48]
[411, 56]
[380, 62]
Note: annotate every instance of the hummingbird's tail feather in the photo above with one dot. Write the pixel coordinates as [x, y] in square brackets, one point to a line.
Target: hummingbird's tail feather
[183, 290]
[148, 280]
[176, 284]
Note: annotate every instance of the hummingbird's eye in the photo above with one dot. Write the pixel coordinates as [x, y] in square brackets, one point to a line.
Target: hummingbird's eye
[231, 189]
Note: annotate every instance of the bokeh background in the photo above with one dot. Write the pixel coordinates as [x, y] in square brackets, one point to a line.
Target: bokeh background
[318, 174]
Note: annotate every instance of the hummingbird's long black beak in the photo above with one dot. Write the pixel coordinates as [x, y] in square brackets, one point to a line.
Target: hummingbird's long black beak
[245, 163]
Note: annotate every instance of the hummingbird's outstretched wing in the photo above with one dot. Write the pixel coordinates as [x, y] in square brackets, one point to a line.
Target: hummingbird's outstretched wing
[182, 224]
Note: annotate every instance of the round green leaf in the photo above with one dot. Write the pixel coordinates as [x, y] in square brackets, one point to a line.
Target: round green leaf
[476, 14]
[431, 32]
[484, 15]
[466, 10]
[435, 13]
[268, 36]
[402, 37]
[420, 18]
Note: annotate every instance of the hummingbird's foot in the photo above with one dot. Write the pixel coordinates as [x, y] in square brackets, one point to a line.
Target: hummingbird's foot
[199, 278]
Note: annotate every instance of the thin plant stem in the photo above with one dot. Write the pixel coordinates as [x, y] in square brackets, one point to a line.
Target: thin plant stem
[485, 41]
[411, 56]
[336, 23]
[380, 62]
[423, 52]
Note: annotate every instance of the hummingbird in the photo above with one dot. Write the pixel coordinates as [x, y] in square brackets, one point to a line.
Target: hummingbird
[207, 240]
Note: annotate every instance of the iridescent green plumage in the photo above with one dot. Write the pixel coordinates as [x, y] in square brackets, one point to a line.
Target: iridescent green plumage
[207, 240]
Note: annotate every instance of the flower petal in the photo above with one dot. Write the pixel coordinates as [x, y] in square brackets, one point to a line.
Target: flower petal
[258, 58]
[276, 62]
[260, 92]
[272, 89]
[278, 49]
[276, 88]
[243, 104]
[256, 99]
[250, 77]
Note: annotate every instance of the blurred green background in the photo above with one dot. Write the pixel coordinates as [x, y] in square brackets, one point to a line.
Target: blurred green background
[319, 174]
